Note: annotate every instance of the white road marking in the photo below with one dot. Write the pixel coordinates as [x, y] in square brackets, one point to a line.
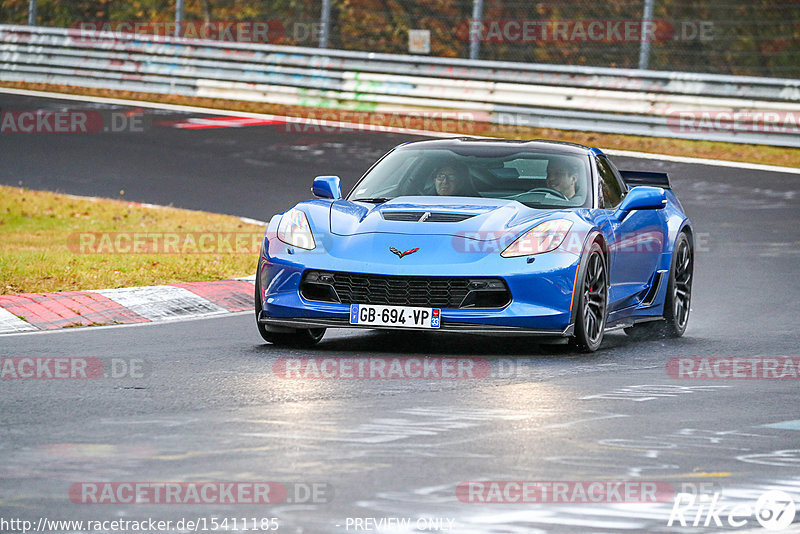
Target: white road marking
[318, 122]
[162, 302]
[703, 161]
[126, 325]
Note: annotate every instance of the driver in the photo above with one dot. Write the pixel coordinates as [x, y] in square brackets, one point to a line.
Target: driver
[562, 177]
[450, 180]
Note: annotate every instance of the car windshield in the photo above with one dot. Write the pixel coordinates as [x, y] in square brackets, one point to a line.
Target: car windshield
[534, 178]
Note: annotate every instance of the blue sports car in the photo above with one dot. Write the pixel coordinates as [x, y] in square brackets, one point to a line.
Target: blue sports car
[481, 236]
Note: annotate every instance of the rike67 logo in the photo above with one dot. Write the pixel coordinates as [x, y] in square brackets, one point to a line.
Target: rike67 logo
[774, 510]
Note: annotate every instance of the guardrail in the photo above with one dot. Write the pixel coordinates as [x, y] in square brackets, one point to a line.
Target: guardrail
[653, 103]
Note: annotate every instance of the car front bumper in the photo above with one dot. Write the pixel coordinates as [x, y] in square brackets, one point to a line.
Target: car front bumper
[541, 288]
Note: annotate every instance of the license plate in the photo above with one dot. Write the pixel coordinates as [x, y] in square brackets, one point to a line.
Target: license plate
[397, 316]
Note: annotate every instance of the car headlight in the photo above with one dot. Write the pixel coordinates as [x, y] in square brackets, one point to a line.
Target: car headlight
[294, 230]
[543, 237]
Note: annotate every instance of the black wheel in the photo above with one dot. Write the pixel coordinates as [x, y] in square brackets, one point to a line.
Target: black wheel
[592, 301]
[677, 303]
[304, 337]
[679, 291]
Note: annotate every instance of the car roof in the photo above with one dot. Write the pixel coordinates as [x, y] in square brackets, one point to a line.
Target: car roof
[543, 145]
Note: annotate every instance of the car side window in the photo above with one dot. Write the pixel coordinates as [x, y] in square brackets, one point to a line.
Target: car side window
[623, 186]
[610, 188]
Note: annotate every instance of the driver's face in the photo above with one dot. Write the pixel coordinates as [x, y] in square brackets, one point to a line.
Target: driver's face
[561, 179]
[446, 181]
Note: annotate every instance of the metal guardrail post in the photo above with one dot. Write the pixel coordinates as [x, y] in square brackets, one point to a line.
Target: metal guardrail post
[477, 17]
[325, 23]
[644, 49]
[32, 13]
[179, 14]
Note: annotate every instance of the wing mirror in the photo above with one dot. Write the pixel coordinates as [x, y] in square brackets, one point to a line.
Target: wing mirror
[327, 187]
[642, 198]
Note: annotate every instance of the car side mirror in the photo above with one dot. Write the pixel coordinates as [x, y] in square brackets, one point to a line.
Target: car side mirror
[642, 198]
[327, 187]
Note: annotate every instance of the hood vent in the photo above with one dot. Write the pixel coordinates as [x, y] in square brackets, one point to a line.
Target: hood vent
[425, 216]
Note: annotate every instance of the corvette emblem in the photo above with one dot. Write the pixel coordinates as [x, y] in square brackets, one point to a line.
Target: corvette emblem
[401, 254]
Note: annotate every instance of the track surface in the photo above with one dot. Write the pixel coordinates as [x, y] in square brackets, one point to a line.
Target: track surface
[209, 407]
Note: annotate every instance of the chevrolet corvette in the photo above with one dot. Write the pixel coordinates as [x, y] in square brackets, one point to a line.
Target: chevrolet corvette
[479, 236]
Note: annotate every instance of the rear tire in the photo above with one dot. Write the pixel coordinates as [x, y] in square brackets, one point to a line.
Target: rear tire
[302, 338]
[592, 301]
[677, 303]
[679, 291]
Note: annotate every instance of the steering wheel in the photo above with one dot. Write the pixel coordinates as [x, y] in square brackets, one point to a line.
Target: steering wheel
[554, 192]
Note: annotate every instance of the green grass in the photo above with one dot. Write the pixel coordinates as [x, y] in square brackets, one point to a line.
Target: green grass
[40, 249]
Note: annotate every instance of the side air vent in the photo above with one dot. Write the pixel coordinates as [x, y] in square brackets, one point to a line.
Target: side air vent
[425, 216]
[652, 293]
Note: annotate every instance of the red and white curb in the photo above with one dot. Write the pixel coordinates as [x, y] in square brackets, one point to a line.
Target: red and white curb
[28, 312]
[197, 123]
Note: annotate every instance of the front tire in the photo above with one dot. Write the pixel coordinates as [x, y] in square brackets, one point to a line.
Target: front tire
[677, 303]
[592, 301]
[302, 338]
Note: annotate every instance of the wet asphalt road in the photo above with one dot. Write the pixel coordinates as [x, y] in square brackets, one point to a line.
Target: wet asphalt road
[208, 406]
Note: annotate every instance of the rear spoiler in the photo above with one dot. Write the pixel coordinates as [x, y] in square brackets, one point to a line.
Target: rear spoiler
[656, 179]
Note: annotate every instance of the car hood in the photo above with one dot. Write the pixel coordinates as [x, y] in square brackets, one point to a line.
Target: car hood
[478, 218]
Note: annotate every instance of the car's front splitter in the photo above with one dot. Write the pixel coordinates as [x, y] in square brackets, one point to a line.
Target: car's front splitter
[541, 286]
[293, 323]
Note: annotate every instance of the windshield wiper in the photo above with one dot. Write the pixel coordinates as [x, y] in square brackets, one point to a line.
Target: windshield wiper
[376, 200]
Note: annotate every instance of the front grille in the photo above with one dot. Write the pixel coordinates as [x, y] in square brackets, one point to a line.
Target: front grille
[422, 291]
[415, 216]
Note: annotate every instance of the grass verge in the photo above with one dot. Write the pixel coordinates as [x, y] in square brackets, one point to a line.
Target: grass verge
[54, 242]
[768, 155]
